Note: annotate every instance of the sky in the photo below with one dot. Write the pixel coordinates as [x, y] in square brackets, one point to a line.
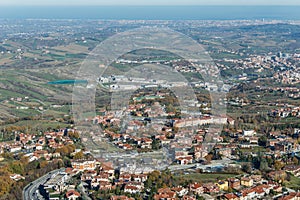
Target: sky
[145, 2]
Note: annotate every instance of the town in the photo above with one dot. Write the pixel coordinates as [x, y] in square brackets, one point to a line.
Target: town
[147, 141]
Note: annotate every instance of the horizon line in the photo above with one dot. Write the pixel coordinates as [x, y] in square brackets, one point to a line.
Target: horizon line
[140, 5]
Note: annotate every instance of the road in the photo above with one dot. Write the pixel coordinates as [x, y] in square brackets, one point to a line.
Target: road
[30, 190]
[83, 193]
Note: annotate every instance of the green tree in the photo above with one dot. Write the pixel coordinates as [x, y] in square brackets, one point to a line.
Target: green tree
[262, 141]
[246, 167]
[79, 155]
[263, 165]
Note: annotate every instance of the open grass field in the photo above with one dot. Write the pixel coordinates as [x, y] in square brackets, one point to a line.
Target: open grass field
[72, 48]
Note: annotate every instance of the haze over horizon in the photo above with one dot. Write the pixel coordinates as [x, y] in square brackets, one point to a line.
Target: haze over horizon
[145, 3]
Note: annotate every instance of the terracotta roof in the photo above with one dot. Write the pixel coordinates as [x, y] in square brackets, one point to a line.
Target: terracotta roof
[71, 193]
[230, 196]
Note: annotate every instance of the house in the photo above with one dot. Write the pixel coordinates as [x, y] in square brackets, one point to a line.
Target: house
[125, 177]
[14, 148]
[16, 177]
[146, 143]
[163, 139]
[285, 146]
[103, 176]
[230, 196]
[256, 178]
[185, 160]
[180, 191]
[225, 152]
[131, 189]
[200, 154]
[165, 193]
[234, 183]
[105, 185]
[94, 185]
[72, 195]
[293, 169]
[211, 188]
[127, 147]
[247, 181]
[272, 142]
[139, 177]
[56, 155]
[249, 133]
[187, 197]
[223, 185]
[277, 188]
[121, 197]
[88, 175]
[198, 138]
[247, 194]
[163, 197]
[108, 168]
[262, 190]
[291, 196]
[82, 165]
[40, 154]
[196, 188]
[253, 140]
[70, 171]
[230, 121]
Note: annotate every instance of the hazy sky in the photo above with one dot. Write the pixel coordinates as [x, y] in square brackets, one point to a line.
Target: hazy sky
[149, 2]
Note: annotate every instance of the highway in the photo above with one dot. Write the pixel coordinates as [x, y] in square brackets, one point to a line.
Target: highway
[30, 190]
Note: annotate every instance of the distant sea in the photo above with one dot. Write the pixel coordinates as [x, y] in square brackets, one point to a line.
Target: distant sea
[152, 12]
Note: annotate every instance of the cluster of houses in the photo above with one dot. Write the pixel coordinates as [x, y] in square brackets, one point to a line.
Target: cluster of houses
[291, 92]
[35, 147]
[291, 77]
[137, 135]
[276, 141]
[261, 63]
[286, 111]
[102, 176]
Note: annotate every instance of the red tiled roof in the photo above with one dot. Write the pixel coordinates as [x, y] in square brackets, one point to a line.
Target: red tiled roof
[72, 192]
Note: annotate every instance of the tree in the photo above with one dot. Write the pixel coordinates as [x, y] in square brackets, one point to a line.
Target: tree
[43, 163]
[199, 197]
[262, 141]
[263, 166]
[246, 167]
[74, 134]
[4, 185]
[7, 155]
[209, 157]
[295, 161]
[16, 167]
[156, 144]
[79, 155]
[278, 165]
[288, 177]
